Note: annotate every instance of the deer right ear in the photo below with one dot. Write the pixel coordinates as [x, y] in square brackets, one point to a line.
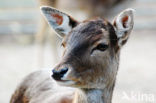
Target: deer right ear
[59, 21]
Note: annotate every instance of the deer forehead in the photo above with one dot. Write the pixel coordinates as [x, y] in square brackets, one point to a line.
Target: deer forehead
[88, 32]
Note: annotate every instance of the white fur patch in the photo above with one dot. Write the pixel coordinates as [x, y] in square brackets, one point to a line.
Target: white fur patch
[66, 83]
[65, 25]
[64, 28]
[122, 31]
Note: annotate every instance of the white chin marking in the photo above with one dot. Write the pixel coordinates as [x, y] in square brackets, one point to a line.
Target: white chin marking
[65, 83]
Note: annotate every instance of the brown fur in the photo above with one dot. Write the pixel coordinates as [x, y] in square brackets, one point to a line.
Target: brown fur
[82, 39]
[91, 70]
[93, 8]
[38, 87]
[18, 96]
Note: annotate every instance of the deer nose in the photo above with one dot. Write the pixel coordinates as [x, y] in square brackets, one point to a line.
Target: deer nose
[57, 75]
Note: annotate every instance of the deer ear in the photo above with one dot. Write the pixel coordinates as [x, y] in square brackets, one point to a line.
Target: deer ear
[59, 21]
[123, 25]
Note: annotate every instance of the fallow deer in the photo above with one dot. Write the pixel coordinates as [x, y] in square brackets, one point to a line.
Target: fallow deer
[91, 8]
[87, 71]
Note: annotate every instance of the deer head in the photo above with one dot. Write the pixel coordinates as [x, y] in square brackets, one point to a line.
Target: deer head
[91, 48]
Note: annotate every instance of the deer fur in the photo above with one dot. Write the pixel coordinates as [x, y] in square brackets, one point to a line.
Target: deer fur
[91, 8]
[91, 54]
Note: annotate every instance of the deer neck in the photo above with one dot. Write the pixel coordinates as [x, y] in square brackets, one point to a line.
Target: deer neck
[94, 95]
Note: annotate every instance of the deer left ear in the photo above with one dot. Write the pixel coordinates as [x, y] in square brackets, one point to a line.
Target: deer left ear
[59, 21]
[123, 25]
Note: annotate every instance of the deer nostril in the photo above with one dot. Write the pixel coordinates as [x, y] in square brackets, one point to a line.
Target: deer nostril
[57, 75]
[63, 71]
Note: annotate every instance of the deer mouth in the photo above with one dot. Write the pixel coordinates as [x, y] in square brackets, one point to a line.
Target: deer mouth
[62, 80]
[65, 82]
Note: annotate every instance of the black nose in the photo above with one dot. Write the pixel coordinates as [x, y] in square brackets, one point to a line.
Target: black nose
[57, 75]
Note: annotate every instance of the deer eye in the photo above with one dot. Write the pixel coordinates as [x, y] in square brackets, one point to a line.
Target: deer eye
[102, 47]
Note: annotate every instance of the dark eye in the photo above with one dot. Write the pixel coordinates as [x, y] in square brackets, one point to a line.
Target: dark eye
[102, 47]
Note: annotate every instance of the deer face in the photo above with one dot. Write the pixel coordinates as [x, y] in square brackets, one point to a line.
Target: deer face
[89, 53]
[91, 48]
